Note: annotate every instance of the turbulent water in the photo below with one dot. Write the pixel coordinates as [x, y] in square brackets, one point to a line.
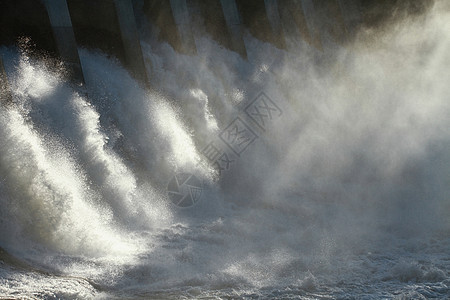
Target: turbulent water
[339, 189]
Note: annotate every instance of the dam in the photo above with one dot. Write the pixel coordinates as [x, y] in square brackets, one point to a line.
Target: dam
[59, 27]
[224, 149]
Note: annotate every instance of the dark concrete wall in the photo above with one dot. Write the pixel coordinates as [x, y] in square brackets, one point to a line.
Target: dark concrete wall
[293, 10]
[95, 22]
[254, 18]
[25, 18]
[5, 92]
[331, 19]
[130, 40]
[213, 21]
[159, 13]
[95, 26]
[384, 12]
[59, 17]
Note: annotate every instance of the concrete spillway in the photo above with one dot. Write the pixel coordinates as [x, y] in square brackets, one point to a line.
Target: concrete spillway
[5, 94]
[130, 39]
[62, 26]
[59, 16]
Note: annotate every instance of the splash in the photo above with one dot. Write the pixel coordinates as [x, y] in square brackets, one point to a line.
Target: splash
[352, 177]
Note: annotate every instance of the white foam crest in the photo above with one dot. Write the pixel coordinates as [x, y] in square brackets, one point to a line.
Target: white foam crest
[41, 286]
[151, 127]
[61, 109]
[211, 122]
[34, 80]
[47, 192]
[131, 203]
[117, 182]
[182, 153]
[48, 197]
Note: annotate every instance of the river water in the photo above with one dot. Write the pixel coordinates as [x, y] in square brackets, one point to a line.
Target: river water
[292, 174]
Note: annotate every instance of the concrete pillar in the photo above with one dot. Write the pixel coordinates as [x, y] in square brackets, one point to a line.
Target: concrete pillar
[325, 23]
[234, 24]
[351, 11]
[182, 20]
[66, 44]
[312, 22]
[5, 92]
[130, 40]
[293, 22]
[273, 15]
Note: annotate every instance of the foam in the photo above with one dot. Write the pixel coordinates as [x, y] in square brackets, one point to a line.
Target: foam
[348, 182]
